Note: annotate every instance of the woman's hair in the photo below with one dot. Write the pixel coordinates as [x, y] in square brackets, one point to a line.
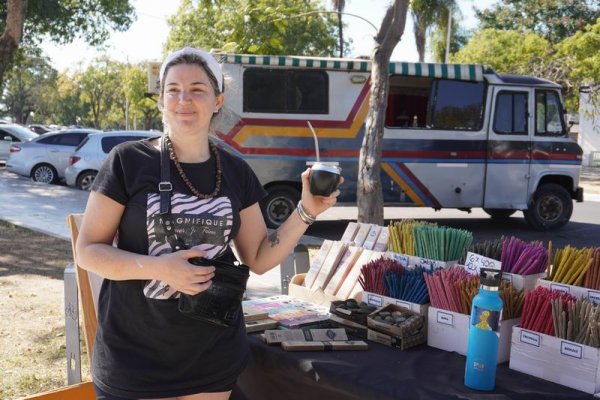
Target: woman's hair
[189, 56]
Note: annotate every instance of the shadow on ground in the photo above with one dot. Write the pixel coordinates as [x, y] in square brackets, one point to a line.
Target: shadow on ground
[28, 252]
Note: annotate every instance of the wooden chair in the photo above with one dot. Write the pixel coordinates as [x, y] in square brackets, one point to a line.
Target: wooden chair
[88, 285]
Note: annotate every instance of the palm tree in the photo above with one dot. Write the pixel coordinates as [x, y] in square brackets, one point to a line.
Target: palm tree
[339, 6]
[426, 15]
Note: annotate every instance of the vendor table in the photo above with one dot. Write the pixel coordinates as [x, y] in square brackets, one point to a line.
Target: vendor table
[379, 373]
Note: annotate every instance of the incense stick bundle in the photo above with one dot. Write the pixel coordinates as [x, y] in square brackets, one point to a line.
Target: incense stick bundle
[372, 274]
[490, 249]
[401, 237]
[409, 286]
[441, 243]
[539, 314]
[571, 265]
[592, 278]
[454, 288]
[519, 257]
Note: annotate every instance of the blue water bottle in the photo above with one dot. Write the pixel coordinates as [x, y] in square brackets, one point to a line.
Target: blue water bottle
[484, 334]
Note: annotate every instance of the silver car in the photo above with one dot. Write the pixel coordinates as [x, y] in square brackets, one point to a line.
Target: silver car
[91, 153]
[45, 158]
[12, 134]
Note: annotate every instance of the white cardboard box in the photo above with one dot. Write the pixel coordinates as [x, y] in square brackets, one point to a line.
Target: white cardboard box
[378, 300]
[372, 236]
[449, 331]
[576, 291]
[557, 360]
[297, 290]
[523, 282]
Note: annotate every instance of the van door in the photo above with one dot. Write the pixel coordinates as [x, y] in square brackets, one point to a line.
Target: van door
[509, 148]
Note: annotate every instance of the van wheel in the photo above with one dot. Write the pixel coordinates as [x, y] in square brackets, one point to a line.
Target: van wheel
[85, 180]
[551, 208]
[279, 204]
[44, 173]
[499, 213]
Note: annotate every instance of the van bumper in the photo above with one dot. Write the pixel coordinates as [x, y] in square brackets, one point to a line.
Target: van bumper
[578, 194]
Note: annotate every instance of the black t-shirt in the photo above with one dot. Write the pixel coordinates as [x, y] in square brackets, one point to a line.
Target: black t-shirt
[144, 347]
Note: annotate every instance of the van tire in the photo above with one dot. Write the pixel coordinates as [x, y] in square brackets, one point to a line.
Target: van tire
[44, 173]
[279, 204]
[499, 213]
[550, 209]
[85, 180]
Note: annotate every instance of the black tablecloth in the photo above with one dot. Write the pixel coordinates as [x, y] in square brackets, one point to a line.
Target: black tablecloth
[380, 373]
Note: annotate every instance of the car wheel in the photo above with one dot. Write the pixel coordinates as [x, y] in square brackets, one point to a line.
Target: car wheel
[499, 213]
[44, 173]
[551, 208]
[85, 180]
[279, 204]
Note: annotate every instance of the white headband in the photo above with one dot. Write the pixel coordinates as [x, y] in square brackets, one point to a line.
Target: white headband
[212, 64]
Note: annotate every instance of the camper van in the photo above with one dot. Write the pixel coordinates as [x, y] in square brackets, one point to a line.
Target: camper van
[455, 136]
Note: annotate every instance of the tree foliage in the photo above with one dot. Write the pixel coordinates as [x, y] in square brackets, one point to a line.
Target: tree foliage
[572, 63]
[255, 26]
[59, 20]
[26, 88]
[554, 20]
[505, 51]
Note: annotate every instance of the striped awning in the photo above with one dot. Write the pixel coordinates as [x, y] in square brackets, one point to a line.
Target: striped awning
[470, 72]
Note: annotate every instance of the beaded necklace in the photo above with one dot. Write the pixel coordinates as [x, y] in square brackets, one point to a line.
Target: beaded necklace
[184, 177]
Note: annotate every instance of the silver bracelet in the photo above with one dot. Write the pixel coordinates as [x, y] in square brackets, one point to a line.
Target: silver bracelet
[304, 216]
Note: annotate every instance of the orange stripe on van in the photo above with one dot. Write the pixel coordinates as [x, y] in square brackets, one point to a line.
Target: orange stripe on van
[400, 182]
[283, 131]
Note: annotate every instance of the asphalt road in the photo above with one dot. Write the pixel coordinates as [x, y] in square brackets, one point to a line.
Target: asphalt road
[582, 231]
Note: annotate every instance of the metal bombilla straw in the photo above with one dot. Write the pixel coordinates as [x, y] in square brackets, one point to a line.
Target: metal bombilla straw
[316, 141]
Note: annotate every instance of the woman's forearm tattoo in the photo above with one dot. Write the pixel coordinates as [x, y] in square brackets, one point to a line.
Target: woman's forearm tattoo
[274, 239]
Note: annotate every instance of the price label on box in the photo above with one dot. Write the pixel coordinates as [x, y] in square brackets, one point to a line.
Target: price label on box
[401, 259]
[474, 262]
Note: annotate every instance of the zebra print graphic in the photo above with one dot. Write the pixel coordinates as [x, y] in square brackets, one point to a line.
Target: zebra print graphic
[205, 223]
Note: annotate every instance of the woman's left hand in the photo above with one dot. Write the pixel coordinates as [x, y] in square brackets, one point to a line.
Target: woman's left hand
[315, 205]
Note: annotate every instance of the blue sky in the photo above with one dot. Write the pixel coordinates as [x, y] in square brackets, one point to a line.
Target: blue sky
[146, 37]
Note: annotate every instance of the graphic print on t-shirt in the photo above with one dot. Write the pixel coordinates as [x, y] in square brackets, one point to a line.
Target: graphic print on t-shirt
[205, 223]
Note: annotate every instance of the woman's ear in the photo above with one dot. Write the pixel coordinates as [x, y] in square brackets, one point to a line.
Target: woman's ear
[219, 103]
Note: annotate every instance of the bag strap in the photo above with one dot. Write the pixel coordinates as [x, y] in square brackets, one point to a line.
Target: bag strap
[164, 186]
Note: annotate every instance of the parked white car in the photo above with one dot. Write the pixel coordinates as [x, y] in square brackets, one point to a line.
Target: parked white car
[91, 153]
[12, 134]
[45, 157]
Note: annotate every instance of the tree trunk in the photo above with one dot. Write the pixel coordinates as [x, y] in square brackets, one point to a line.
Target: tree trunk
[420, 40]
[13, 32]
[369, 192]
[341, 33]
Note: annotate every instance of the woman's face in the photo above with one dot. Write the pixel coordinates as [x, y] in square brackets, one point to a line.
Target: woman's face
[189, 99]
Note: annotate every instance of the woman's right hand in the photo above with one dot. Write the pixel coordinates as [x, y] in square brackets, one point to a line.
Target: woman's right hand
[183, 276]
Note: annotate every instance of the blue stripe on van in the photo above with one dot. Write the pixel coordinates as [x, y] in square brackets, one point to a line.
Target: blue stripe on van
[412, 184]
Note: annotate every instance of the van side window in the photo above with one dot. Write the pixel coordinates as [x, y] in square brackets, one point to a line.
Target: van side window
[548, 114]
[286, 91]
[457, 105]
[510, 116]
[407, 101]
[418, 102]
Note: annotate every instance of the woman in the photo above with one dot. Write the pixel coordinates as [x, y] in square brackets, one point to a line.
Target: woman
[145, 347]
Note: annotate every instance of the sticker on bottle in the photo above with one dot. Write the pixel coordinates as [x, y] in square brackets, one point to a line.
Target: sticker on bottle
[488, 320]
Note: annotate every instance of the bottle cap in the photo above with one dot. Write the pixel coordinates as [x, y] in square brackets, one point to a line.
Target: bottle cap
[490, 277]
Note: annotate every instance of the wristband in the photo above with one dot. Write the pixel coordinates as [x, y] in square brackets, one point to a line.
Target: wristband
[304, 216]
